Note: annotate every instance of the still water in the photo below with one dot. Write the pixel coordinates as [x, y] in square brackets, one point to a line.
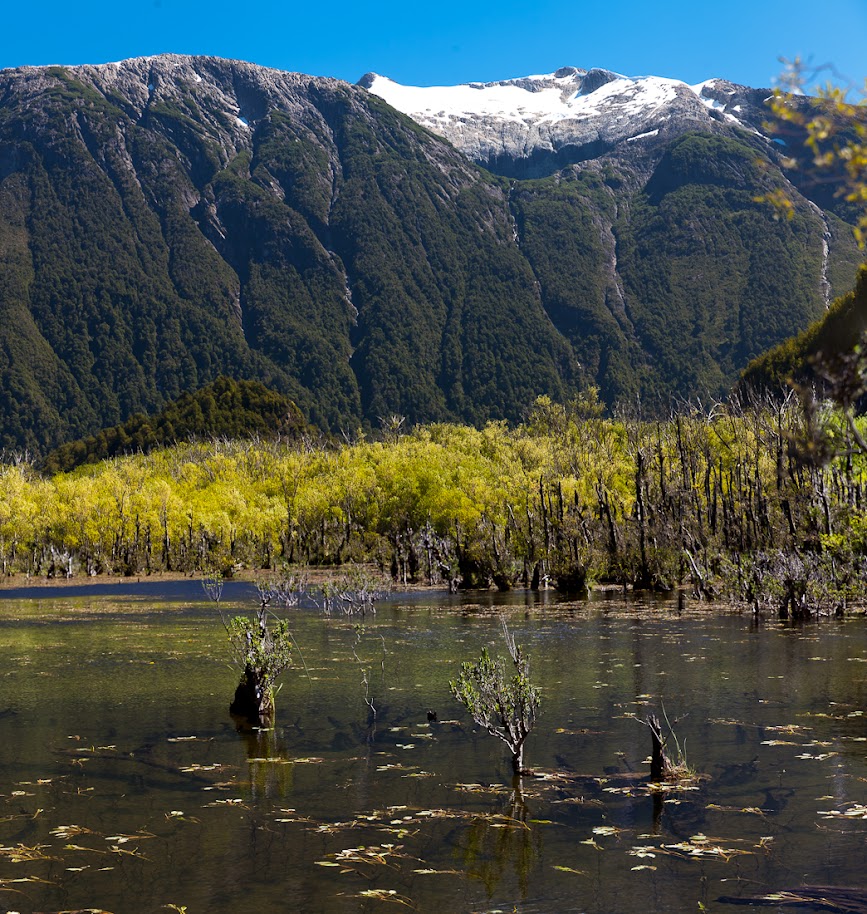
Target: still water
[126, 787]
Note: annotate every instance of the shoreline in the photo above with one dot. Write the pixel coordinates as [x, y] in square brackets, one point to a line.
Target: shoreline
[184, 585]
[22, 581]
[23, 586]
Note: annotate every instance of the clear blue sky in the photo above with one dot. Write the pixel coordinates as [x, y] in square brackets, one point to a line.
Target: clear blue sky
[451, 42]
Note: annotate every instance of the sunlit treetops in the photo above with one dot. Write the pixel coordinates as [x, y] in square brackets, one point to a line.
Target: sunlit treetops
[569, 496]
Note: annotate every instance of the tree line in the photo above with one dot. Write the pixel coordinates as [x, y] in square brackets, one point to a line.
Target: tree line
[714, 498]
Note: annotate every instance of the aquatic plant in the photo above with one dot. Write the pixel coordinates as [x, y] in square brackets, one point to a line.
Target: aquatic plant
[262, 648]
[212, 584]
[355, 592]
[667, 766]
[506, 706]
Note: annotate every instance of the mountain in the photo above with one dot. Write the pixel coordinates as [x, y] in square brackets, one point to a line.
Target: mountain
[167, 220]
[637, 202]
[534, 125]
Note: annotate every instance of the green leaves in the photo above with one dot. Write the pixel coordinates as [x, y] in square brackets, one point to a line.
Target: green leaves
[505, 705]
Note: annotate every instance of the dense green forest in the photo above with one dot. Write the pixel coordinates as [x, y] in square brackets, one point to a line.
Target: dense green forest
[224, 409]
[803, 358]
[731, 502]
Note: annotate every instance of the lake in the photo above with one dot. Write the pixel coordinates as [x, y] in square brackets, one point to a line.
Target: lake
[127, 787]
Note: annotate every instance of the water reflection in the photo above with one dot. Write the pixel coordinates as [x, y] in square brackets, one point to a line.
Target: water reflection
[269, 762]
[501, 843]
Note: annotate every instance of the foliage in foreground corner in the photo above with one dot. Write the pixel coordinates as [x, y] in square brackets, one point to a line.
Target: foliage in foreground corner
[833, 129]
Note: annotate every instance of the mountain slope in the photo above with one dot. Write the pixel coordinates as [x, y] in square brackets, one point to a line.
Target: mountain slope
[224, 409]
[168, 220]
[643, 225]
[172, 219]
[836, 333]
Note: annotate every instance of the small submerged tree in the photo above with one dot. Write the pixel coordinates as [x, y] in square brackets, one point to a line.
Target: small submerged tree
[287, 589]
[355, 592]
[662, 766]
[212, 584]
[505, 705]
[263, 651]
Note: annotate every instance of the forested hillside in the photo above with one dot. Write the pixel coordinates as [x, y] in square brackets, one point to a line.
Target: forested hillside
[225, 409]
[802, 358]
[168, 220]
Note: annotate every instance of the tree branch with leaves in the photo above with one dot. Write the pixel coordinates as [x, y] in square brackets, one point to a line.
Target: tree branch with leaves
[832, 126]
[505, 705]
[262, 647]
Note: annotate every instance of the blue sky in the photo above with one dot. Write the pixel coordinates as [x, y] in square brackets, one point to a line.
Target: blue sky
[451, 42]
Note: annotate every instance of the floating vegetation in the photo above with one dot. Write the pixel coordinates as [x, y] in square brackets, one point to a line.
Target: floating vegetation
[702, 846]
[484, 788]
[748, 810]
[430, 872]
[365, 824]
[851, 811]
[647, 789]
[291, 815]
[70, 831]
[187, 769]
[842, 899]
[360, 859]
[788, 728]
[607, 830]
[21, 853]
[648, 851]
[386, 895]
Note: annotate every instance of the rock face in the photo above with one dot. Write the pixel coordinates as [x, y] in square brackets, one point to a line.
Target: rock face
[167, 220]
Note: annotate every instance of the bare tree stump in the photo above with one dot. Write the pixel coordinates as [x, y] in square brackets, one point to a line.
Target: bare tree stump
[252, 701]
[659, 763]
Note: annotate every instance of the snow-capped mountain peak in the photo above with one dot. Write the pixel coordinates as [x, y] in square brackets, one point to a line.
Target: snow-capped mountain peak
[571, 107]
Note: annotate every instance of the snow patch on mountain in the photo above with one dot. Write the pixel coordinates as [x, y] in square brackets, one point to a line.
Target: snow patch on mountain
[643, 136]
[518, 118]
[548, 98]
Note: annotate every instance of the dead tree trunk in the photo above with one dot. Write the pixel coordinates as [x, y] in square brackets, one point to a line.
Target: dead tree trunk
[253, 700]
[659, 763]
